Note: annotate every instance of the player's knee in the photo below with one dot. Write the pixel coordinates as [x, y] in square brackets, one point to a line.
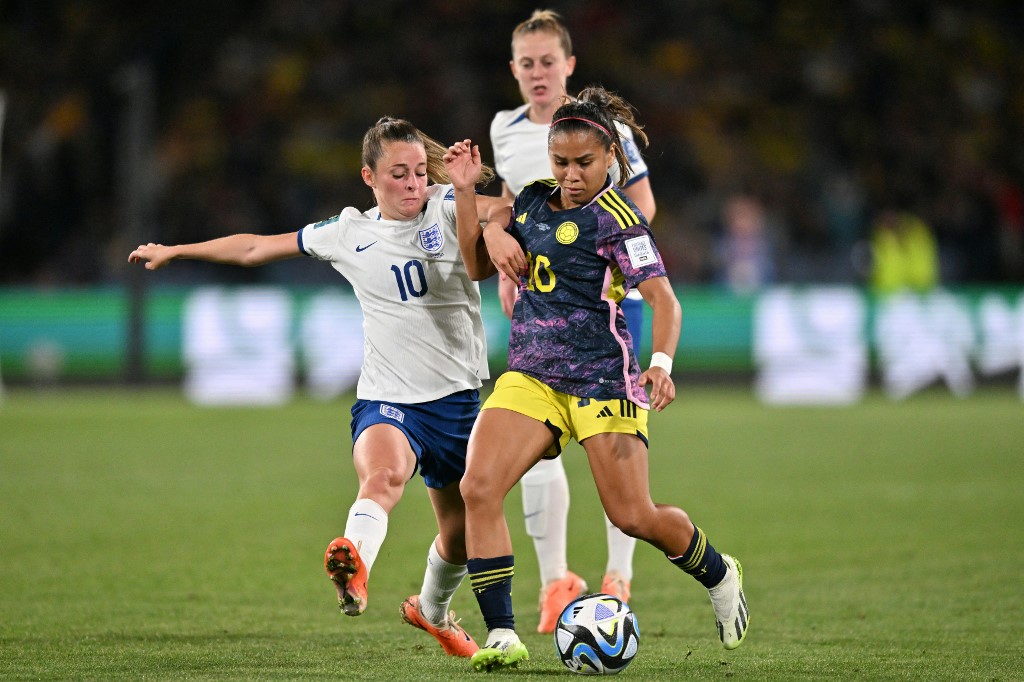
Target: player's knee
[634, 521]
[479, 492]
[629, 523]
[470, 491]
[383, 482]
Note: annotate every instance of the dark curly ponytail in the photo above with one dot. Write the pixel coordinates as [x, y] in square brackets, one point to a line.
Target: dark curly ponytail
[598, 110]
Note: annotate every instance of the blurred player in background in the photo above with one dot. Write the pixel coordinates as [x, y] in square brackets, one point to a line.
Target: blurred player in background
[576, 244]
[425, 356]
[542, 61]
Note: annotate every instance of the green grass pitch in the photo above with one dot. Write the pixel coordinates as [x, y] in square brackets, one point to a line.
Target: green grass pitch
[141, 537]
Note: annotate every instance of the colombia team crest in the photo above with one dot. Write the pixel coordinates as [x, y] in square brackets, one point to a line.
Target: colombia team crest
[432, 240]
[567, 233]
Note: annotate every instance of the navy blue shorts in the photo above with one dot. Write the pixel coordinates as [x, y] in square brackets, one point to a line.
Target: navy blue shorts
[438, 431]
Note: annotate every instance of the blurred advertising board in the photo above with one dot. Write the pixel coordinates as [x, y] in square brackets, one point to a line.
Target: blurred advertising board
[808, 344]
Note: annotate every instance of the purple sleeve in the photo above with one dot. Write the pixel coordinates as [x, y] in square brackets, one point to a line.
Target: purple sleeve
[635, 252]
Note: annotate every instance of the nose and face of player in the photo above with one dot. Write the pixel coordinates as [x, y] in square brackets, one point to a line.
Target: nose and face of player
[580, 163]
[542, 68]
[399, 180]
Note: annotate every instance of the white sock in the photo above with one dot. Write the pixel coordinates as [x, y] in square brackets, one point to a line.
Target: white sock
[367, 526]
[440, 581]
[546, 510]
[620, 551]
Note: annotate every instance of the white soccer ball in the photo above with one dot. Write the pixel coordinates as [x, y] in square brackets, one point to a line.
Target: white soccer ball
[597, 634]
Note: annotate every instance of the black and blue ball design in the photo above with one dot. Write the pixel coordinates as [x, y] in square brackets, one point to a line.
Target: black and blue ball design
[597, 634]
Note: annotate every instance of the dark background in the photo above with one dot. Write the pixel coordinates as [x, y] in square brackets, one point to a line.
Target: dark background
[826, 113]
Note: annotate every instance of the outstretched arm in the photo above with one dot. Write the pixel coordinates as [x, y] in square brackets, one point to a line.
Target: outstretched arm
[666, 322]
[248, 250]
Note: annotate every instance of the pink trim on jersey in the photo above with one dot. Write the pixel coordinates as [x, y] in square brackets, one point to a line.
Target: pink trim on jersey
[623, 346]
[607, 188]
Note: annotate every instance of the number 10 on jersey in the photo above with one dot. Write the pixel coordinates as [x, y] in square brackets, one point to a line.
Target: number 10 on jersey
[411, 279]
[542, 277]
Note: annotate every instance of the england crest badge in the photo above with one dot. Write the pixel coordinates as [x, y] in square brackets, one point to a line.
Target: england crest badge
[432, 240]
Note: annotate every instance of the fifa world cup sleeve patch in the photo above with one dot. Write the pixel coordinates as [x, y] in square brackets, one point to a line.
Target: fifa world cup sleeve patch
[640, 251]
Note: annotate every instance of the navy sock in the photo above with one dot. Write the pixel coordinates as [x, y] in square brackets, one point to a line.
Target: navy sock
[491, 580]
[701, 560]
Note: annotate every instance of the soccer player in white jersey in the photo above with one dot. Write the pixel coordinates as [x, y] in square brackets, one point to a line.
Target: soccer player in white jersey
[425, 355]
[542, 61]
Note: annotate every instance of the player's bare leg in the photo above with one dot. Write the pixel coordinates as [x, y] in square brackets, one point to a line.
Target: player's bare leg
[384, 461]
[619, 465]
[513, 444]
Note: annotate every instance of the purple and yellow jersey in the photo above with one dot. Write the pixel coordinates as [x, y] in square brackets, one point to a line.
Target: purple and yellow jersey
[568, 330]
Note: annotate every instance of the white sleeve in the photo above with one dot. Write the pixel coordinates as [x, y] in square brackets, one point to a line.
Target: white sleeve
[448, 205]
[499, 166]
[636, 160]
[317, 240]
[320, 240]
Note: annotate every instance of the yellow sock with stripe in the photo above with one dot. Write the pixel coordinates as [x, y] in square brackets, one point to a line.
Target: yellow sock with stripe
[491, 580]
[701, 560]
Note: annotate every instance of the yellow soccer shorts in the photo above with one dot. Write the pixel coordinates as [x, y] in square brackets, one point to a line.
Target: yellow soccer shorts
[566, 415]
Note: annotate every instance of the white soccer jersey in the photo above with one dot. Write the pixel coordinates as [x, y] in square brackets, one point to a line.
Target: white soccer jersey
[423, 333]
[521, 150]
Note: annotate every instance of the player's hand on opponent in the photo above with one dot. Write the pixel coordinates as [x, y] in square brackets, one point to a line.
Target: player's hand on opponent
[663, 391]
[462, 161]
[505, 253]
[154, 255]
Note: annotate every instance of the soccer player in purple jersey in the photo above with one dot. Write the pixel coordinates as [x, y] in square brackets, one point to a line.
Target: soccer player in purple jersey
[542, 62]
[576, 245]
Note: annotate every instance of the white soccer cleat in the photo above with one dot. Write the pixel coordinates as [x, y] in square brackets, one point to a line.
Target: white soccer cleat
[502, 650]
[731, 613]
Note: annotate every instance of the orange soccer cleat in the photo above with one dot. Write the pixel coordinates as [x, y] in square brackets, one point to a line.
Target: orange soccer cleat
[616, 586]
[555, 596]
[453, 639]
[349, 575]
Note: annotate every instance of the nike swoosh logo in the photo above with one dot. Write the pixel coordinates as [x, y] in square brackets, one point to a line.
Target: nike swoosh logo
[361, 513]
[360, 249]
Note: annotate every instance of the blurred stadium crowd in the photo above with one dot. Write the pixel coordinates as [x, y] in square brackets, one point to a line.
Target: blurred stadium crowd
[795, 123]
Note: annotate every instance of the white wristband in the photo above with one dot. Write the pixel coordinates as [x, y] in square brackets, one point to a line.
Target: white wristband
[662, 360]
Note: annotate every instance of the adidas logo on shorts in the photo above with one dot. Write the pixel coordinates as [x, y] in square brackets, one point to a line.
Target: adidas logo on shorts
[605, 412]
